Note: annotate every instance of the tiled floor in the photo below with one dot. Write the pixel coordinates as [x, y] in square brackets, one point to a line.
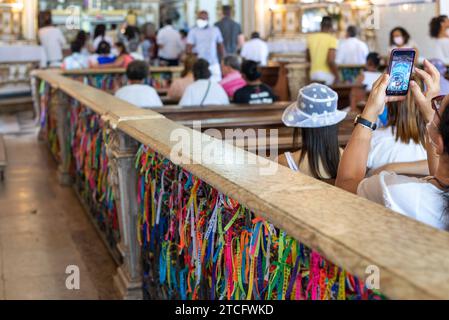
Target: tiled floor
[43, 229]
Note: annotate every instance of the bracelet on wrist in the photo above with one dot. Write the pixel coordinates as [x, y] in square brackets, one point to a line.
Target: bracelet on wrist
[359, 120]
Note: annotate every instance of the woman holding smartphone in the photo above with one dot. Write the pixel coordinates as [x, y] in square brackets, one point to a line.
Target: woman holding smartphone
[426, 200]
[400, 145]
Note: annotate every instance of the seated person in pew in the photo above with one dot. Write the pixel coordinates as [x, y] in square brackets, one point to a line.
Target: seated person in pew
[255, 92]
[366, 78]
[204, 91]
[316, 115]
[137, 92]
[179, 86]
[232, 78]
[402, 140]
[102, 56]
[76, 60]
[427, 199]
[123, 58]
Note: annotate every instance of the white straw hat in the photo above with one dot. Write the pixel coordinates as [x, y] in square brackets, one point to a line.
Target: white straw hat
[316, 107]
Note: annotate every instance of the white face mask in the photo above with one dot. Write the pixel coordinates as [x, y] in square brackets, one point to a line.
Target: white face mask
[200, 23]
[399, 41]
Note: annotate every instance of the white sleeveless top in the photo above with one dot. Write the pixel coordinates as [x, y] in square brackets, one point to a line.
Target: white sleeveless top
[291, 162]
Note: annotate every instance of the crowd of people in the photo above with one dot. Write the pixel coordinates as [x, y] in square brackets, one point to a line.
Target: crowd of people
[395, 138]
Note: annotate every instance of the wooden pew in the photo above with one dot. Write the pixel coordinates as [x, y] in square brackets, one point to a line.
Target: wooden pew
[275, 76]
[246, 117]
[344, 93]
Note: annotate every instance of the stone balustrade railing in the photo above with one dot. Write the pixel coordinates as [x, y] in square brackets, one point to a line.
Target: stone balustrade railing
[185, 228]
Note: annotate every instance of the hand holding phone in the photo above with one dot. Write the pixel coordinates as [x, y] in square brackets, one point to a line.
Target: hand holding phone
[400, 70]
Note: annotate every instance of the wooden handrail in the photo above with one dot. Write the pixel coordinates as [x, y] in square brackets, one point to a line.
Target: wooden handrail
[350, 231]
[118, 71]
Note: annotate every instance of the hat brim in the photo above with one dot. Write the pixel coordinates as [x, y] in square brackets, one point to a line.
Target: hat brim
[292, 117]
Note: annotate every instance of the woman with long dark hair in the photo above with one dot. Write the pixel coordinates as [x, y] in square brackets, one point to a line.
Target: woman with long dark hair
[315, 118]
[439, 32]
[426, 200]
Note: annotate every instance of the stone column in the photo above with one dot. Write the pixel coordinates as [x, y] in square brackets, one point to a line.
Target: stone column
[123, 176]
[35, 83]
[62, 109]
[297, 78]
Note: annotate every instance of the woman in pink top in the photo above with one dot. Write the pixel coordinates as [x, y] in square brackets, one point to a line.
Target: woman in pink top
[123, 59]
[178, 86]
[232, 78]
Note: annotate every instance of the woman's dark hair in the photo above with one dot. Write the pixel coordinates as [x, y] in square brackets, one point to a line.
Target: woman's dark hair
[320, 145]
[76, 46]
[81, 37]
[201, 70]
[444, 131]
[121, 46]
[374, 58]
[100, 31]
[404, 33]
[103, 48]
[137, 70]
[436, 25]
[251, 70]
[131, 32]
[183, 32]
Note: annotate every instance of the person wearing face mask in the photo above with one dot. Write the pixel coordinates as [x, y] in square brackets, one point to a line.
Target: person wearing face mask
[439, 31]
[425, 200]
[206, 42]
[400, 38]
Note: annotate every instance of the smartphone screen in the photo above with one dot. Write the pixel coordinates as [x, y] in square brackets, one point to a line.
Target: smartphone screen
[401, 67]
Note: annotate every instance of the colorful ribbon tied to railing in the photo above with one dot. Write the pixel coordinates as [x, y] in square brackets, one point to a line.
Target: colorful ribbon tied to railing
[48, 119]
[89, 166]
[197, 243]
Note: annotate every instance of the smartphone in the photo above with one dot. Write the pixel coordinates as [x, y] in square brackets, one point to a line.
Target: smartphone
[400, 70]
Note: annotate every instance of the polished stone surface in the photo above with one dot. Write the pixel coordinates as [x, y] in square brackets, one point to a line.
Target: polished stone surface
[43, 229]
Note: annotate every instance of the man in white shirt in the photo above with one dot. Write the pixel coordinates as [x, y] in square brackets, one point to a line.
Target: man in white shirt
[170, 44]
[53, 41]
[352, 51]
[256, 50]
[206, 42]
[138, 93]
[203, 91]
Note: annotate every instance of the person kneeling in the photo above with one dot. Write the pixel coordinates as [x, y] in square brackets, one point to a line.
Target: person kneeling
[426, 200]
[316, 114]
[137, 93]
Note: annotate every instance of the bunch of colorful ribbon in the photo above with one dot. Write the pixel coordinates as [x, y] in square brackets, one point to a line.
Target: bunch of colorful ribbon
[90, 167]
[199, 244]
[48, 120]
[109, 82]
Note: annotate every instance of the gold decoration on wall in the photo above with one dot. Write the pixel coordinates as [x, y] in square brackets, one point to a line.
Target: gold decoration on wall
[11, 20]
